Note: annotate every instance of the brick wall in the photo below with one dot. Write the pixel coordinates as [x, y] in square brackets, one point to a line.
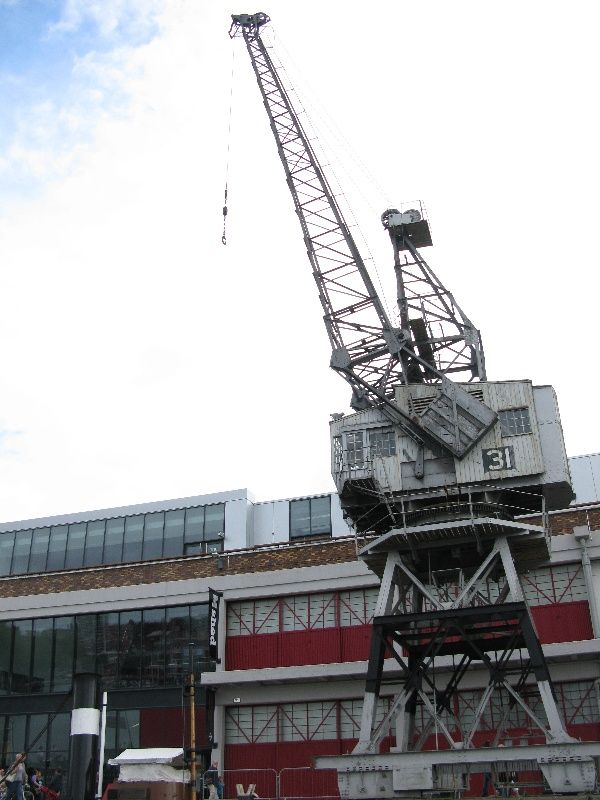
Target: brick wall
[567, 520]
[256, 560]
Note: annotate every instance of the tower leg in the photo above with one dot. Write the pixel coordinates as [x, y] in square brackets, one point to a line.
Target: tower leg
[556, 731]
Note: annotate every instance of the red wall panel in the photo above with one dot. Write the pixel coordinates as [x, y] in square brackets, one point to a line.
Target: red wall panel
[251, 756]
[317, 646]
[587, 732]
[563, 622]
[252, 652]
[164, 727]
[356, 642]
[279, 755]
[295, 648]
[558, 622]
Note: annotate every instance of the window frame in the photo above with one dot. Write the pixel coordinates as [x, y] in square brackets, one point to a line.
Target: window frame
[388, 436]
[311, 534]
[511, 425]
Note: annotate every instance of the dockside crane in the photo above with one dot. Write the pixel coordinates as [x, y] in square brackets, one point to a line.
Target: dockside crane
[442, 469]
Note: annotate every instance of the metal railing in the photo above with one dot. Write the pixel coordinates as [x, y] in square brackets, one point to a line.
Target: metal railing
[508, 779]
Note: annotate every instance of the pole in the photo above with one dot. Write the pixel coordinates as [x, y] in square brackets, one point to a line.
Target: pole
[102, 743]
[85, 725]
[192, 737]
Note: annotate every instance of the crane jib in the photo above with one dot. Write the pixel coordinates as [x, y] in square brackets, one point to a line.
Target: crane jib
[434, 339]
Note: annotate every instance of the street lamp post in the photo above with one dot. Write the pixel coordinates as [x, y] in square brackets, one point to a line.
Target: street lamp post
[192, 709]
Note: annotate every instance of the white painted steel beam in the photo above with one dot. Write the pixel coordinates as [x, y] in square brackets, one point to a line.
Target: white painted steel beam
[479, 759]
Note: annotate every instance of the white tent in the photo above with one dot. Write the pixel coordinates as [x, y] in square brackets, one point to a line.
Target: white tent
[151, 764]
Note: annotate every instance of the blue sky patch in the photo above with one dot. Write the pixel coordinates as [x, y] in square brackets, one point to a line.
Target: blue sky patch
[41, 44]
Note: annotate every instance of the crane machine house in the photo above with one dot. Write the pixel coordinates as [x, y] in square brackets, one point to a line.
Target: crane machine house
[442, 468]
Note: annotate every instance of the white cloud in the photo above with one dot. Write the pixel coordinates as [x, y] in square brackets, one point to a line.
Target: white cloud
[141, 359]
[109, 17]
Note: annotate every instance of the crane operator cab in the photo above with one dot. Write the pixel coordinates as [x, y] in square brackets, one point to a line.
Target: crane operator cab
[519, 466]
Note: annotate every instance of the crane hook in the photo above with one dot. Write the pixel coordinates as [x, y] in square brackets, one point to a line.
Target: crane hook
[224, 237]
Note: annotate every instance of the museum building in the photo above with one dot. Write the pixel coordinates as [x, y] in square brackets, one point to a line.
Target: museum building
[124, 593]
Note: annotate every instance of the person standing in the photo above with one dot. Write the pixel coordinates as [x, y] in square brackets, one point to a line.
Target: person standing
[487, 778]
[16, 778]
[212, 777]
[56, 782]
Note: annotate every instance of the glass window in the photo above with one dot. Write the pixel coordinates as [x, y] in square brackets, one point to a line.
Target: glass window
[300, 518]
[110, 745]
[350, 717]
[21, 663]
[304, 612]
[308, 721]
[253, 616]
[59, 734]
[264, 724]
[310, 517]
[134, 534]
[42, 655]
[130, 648]
[214, 547]
[17, 726]
[214, 520]
[173, 539]
[251, 724]
[128, 729]
[153, 638]
[113, 541]
[382, 442]
[338, 454]
[94, 543]
[579, 702]
[199, 636]
[514, 421]
[153, 535]
[320, 515]
[57, 547]
[85, 657]
[177, 643]
[194, 524]
[238, 725]
[21, 552]
[76, 546]
[194, 549]
[107, 647]
[64, 646]
[322, 720]
[357, 606]
[7, 541]
[39, 550]
[37, 733]
[5, 655]
[355, 449]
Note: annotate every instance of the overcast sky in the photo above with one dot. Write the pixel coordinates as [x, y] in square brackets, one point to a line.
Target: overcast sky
[141, 359]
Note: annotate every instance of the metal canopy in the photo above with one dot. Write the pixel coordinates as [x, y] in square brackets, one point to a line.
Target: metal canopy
[461, 540]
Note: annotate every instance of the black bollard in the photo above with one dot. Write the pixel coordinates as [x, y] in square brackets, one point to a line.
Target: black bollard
[85, 727]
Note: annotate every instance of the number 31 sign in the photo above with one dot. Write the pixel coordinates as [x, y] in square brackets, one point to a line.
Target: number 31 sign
[498, 458]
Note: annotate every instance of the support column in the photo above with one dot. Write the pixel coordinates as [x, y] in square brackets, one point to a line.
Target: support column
[85, 727]
[583, 536]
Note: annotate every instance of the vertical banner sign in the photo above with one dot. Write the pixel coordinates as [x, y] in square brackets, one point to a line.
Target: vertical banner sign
[213, 623]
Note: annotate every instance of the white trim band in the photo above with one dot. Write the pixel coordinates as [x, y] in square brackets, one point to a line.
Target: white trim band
[85, 721]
